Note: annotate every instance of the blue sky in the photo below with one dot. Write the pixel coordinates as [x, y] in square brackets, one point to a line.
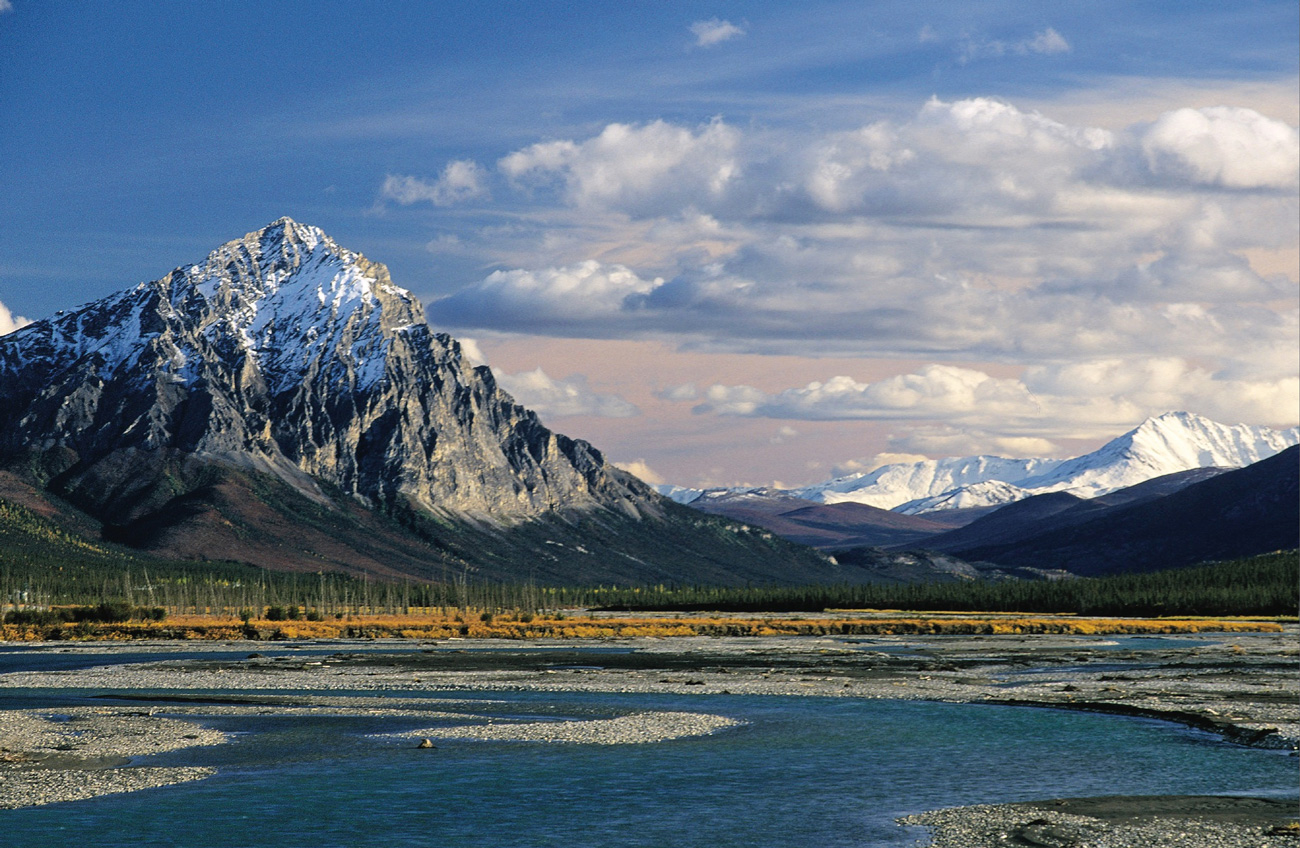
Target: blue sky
[731, 242]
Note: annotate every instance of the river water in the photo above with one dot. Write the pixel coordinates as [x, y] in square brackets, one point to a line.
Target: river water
[799, 772]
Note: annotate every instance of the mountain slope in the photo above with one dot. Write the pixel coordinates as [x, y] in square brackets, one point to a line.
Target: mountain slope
[891, 486]
[1175, 441]
[1038, 514]
[1235, 514]
[825, 526]
[283, 402]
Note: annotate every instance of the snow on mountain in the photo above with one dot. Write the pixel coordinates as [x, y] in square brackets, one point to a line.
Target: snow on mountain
[287, 295]
[680, 494]
[985, 493]
[1166, 444]
[1175, 441]
[891, 486]
[287, 354]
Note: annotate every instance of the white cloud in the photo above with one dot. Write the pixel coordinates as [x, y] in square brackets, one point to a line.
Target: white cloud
[461, 180]
[570, 396]
[685, 391]
[641, 469]
[1223, 146]
[1075, 400]
[972, 231]
[938, 391]
[587, 291]
[1047, 42]
[715, 31]
[783, 435]
[6, 6]
[1044, 43]
[9, 321]
[941, 441]
[470, 350]
[648, 169]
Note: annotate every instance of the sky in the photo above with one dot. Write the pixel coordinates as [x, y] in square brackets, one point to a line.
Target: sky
[726, 242]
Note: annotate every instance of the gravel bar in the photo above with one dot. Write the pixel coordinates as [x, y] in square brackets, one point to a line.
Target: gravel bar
[635, 729]
[1241, 686]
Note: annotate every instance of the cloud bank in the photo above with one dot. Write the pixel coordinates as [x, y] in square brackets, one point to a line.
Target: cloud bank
[972, 231]
[1116, 270]
[1077, 400]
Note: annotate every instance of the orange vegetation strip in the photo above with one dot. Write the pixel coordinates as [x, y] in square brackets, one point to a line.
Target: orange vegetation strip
[545, 627]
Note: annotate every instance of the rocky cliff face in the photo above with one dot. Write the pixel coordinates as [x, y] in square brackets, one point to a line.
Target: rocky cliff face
[287, 354]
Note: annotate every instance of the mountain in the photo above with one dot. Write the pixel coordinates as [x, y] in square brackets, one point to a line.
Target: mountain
[982, 494]
[1236, 513]
[286, 354]
[1038, 514]
[825, 526]
[1175, 441]
[1169, 443]
[285, 403]
[891, 486]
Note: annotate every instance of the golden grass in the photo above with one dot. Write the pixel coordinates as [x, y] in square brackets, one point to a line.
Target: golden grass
[432, 625]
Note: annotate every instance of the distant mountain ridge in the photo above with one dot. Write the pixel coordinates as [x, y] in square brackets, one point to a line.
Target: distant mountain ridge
[1238, 513]
[1163, 445]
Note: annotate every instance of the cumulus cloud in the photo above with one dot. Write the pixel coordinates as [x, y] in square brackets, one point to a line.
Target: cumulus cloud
[685, 391]
[1075, 400]
[971, 231]
[589, 291]
[940, 441]
[937, 391]
[715, 31]
[1223, 146]
[6, 6]
[461, 180]
[470, 350]
[9, 321]
[641, 469]
[646, 169]
[570, 396]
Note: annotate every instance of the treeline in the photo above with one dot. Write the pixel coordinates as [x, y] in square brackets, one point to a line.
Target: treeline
[42, 567]
[1263, 585]
[109, 612]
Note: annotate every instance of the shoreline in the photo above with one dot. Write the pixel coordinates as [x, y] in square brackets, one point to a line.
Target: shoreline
[1239, 686]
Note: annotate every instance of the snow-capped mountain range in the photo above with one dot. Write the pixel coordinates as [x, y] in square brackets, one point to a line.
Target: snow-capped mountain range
[1166, 444]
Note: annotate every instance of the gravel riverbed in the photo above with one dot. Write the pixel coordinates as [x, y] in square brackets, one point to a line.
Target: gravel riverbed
[1241, 686]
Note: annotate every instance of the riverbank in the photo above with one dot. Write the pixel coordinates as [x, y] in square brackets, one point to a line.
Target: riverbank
[478, 624]
[1178, 821]
[1241, 686]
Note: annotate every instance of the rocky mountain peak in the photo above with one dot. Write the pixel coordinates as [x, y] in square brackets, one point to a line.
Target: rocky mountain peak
[288, 354]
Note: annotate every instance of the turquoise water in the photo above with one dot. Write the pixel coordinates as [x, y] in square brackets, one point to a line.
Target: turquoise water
[801, 772]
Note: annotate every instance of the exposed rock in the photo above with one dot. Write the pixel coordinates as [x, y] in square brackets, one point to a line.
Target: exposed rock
[287, 354]
[283, 403]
